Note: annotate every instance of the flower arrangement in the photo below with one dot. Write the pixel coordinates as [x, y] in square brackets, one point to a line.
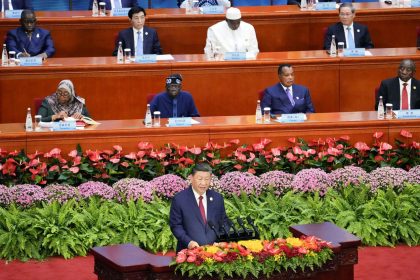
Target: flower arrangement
[253, 257]
[149, 162]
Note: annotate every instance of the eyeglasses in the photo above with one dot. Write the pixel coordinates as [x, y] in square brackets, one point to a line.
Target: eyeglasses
[63, 94]
[29, 21]
[407, 69]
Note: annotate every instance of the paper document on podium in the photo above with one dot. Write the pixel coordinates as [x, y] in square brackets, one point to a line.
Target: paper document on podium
[164, 57]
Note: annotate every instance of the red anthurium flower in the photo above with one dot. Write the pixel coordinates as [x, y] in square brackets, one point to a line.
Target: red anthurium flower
[118, 148]
[195, 150]
[74, 169]
[188, 161]
[416, 145]
[54, 168]
[276, 151]
[215, 161]
[378, 134]
[144, 146]
[125, 164]
[345, 137]
[292, 140]
[406, 133]
[114, 160]
[347, 156]
[379, 158]
[210, 155]
[234, 141]
[251, 157]
[361, 146]
[297, 150]
[240, 156]
[330, 159]
[266, 141]
[291, 157]
[9, 167]
[131, 155]
[237, 166]
[252, 171]
[93, 155]
[385, 146]
[258, 147]
[73, 153]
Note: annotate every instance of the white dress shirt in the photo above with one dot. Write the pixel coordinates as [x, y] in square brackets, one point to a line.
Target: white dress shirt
[10, 5]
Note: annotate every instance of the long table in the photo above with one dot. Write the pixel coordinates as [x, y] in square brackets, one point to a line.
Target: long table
[278, 28]
[220, 88]
[359, 126]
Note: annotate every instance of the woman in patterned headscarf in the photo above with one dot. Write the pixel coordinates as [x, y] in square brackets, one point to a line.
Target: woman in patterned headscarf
[62, 104]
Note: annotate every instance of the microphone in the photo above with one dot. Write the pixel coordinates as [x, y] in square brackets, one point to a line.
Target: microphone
[247, 232]
[254, 227]
[231, 225]
[211, 225]
[222, 225]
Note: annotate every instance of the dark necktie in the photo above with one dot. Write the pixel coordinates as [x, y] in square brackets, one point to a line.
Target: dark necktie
[404, 97]
[201, 206]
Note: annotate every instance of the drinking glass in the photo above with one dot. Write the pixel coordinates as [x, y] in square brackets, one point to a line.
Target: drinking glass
[388, 111]
[267, 114]
[156, 119]
[37, 121]
[102, 9]
[340, 48]
[127, 55]
[12, 58]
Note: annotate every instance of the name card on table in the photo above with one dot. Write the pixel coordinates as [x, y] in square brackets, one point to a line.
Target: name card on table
[120, 12]
[12, 13]
[415, 3]
[235, 56]
[354, 52]
[64, 126]
[408, 114]
[290, 118]
[146, 58]
[30, 61]
[176, 122]
[325, 6]
[211, 10]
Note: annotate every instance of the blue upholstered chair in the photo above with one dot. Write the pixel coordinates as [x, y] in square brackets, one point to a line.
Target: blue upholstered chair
[238, 3]
[279, 2]
[164, 4]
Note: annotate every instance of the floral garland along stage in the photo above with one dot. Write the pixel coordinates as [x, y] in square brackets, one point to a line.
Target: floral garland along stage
[253, 257]
[148, 162]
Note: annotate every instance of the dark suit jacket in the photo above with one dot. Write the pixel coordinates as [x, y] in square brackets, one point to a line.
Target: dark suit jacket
[186, 222]
[124, 4]
[390, 92]
[21, 5]
[361, 36]
[151, 44]
[41, 41]
[276, 98]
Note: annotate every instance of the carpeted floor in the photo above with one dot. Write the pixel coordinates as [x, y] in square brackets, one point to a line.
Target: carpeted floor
[375, 263]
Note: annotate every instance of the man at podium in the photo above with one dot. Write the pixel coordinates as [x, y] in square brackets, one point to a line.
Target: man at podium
[194, 208]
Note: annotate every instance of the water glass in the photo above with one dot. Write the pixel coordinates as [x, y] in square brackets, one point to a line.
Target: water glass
[102, 9]
[218, 55]
[156, 119]
[388, 111]
[12, 58]
[37, 121]
[340, 48]
[127, 55]
[267, 114]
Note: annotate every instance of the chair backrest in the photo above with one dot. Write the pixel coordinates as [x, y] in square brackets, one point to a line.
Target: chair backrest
[237, 3]
[261, 94]
[164, 4]
[37, 104]
[150, 97]
[418, 36]
[278, 2]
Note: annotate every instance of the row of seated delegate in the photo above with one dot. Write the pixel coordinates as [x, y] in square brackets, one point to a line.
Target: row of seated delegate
[43, 5]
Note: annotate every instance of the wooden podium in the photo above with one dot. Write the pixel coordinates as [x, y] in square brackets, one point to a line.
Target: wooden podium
[127, 261]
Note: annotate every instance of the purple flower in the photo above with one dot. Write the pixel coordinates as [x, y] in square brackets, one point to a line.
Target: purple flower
[133, 188]
[311, 180]
[237, 182]
[348, 175]
[60, 193]
[278, 180]
[167, 186]
[26, 195]
[91, 188]
[414, 175]
[4, 195]
[385, 177]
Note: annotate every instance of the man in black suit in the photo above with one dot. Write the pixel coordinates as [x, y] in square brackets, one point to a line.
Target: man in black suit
[352, 34]
[139, 38]
[16, 5]
[402, 91]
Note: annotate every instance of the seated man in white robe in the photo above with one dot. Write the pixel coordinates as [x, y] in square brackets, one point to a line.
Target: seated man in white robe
[231, 35]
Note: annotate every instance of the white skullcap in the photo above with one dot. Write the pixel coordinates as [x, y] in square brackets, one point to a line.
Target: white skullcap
[233, 13]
